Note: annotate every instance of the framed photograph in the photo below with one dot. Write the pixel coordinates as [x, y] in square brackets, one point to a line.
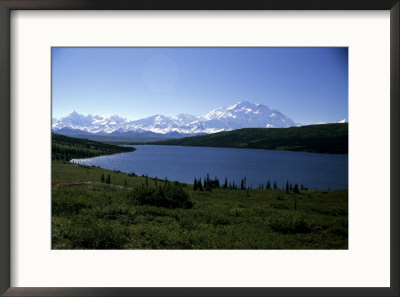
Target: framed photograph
[170, 149]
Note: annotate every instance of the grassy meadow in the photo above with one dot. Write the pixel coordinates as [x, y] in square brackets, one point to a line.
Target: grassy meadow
[121, 211]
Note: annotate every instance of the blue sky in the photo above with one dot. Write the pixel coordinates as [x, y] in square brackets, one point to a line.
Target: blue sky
[310, 85]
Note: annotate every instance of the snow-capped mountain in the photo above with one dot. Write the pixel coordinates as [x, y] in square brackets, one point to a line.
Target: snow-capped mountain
[247, 115]
[240, 115]
[93, 124]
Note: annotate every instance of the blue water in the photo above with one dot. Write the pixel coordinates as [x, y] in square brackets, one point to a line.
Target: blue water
[183, 163]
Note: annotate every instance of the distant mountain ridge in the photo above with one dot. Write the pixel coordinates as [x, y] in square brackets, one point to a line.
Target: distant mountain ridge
[240, 115]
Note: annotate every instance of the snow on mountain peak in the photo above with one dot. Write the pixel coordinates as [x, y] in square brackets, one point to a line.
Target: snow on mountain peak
[243, 114]
[242, 105]
[72, 112]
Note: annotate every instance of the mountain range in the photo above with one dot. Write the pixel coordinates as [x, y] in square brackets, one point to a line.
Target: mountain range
[240, 115]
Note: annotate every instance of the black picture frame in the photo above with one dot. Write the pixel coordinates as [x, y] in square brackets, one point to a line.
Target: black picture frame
[7, 6]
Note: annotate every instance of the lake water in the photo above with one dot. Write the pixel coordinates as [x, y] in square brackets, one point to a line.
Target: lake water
[183, 163]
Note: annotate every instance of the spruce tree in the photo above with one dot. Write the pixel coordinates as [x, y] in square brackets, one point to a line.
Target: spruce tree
[268, 185]
[225, 183]
[200, 185]
[296, 189]
[195, 185]
[102, 178]
[216, 180]
[275, 186]
[108, 179]
[287, 186]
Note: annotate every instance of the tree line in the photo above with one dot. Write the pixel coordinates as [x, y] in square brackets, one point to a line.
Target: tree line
[207, 184]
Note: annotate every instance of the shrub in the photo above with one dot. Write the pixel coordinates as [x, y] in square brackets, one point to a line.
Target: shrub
[99, 237]
[339, 227]
[65, 204]
[168, 196]
[279, 205]
[235, 211]
[90, 234]
[291, 224]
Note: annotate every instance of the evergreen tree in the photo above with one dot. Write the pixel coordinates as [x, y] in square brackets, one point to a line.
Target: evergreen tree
[102, 178]
[296, 189]
[216, 181]
[291, 188]
[199, 184]
[195, 184]
[242, 184]
[275, 185]
[108, 179]
[268, 185]
[287, 186]
[225, 183]
[125, 183]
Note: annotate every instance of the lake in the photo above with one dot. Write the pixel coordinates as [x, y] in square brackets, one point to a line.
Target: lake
[184, 163]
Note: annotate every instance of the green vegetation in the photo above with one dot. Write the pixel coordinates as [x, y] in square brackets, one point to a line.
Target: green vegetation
[328, 138]
[169, 195]
[67, 148]
[126, 214]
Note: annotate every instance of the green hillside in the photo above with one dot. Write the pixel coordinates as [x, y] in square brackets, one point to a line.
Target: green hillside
[327, 138]
[67, 148]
